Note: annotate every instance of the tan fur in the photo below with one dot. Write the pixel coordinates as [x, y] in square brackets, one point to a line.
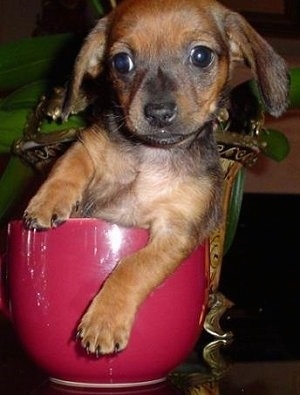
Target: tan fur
[150, 171]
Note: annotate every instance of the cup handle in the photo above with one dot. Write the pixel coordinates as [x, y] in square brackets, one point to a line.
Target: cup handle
[4, 304]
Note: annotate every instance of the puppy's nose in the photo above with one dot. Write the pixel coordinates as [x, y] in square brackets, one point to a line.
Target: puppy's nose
[160, 114]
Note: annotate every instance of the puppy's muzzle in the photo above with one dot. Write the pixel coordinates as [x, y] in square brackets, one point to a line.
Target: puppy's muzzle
[164, 126]
[160, 114]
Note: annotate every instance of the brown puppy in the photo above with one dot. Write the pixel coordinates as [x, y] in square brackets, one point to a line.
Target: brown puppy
[150, 159]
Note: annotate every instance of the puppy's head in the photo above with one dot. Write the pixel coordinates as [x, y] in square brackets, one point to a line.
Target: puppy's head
[169, 63]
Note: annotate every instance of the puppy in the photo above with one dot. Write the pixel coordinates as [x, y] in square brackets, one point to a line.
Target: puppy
[149, 159]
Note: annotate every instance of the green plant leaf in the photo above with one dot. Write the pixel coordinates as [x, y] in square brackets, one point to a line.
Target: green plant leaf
[25, 97]
[11, 127]
[98, 7]
[74, 122]
[234, 209]
[31, 59]
[295, 87]
[13, 184]
[274, 144]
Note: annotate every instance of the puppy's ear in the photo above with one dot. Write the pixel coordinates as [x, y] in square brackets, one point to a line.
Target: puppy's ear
[268, 68]
[89, 61]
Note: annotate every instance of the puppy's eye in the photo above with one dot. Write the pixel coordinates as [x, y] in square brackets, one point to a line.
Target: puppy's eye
[122, 63]
[201, 56]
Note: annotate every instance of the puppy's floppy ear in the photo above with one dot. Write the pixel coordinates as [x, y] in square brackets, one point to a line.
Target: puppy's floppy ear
[89, 61]
[268, 68]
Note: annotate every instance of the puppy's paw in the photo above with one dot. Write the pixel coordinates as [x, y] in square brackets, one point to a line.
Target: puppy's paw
[38, 220]
[48, 212]
[104, 331]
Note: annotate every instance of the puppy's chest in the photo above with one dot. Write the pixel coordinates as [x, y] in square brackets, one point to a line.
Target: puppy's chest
[133, 203]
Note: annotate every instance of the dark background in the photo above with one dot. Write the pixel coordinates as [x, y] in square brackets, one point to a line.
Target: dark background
[261, 275]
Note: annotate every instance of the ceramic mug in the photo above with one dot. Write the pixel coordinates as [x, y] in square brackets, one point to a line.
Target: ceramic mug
[49, 278]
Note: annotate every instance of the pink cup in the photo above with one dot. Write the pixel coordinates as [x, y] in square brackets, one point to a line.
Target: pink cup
[53, 275]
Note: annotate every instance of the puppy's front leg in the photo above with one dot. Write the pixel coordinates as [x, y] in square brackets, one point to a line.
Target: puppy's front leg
[105, 328]
[62, 191]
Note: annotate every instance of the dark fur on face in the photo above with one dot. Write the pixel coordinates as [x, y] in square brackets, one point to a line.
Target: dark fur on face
[150, 159]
